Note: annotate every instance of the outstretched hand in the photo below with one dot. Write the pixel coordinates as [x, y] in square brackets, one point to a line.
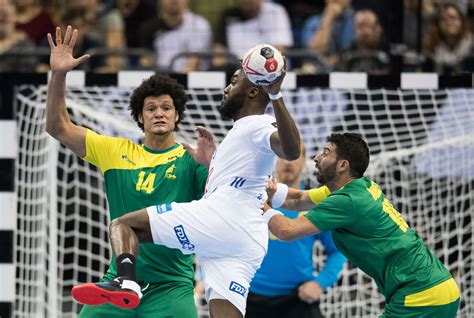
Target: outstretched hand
[61, 59]
[205, 146]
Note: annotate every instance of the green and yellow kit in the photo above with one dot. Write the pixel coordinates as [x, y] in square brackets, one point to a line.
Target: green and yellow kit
[137, 177]
[373, 235]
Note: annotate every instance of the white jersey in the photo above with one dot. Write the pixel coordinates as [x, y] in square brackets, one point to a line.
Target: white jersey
[244, 160]
[226, 228]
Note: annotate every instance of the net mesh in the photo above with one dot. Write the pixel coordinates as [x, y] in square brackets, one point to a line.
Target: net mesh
[421, 153]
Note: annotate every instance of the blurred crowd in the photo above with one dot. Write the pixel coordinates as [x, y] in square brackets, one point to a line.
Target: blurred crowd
[317, 36]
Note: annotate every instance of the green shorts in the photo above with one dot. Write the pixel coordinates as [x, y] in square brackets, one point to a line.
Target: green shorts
[158, 301]
[439, 301]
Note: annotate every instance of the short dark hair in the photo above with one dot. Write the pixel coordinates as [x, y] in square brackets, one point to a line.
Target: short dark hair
[353, 148]
[263, 94]
[157, 85]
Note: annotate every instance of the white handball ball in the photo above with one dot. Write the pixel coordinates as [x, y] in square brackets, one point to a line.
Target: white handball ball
[262, 64]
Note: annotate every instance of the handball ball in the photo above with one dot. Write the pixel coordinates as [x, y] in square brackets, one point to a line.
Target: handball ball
[262, 64]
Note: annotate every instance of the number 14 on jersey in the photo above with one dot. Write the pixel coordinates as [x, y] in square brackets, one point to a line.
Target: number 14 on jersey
[145, 184]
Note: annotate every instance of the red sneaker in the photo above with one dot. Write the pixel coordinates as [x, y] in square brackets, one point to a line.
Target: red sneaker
[119, 292]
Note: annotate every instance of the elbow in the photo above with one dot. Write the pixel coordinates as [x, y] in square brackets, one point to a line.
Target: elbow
[54, 131]
[293, 154]
[50, 130]
[114, 225]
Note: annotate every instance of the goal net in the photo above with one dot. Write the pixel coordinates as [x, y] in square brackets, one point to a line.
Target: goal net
[421, 155]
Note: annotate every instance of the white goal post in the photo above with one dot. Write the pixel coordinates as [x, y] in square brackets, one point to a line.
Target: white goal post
[422, 153]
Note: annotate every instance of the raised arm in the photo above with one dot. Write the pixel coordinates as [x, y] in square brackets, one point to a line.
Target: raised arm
[286, 141]
[58, 123]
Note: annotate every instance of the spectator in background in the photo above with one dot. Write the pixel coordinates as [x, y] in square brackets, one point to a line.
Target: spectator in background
[77, 17]
[250, 23]
[107, 27]
[449, 39]
[135, 13]
[286, 284]
[410, 20]
[299, 11]
[176, 30]
[369, 52]
[211, 10]
[331, 32]
[33, 20]
[13, 41]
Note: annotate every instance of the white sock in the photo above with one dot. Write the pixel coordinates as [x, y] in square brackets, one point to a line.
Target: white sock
[132, 285]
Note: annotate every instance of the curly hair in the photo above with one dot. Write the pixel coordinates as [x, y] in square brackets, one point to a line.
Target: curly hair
[157, 85]
[353, 148]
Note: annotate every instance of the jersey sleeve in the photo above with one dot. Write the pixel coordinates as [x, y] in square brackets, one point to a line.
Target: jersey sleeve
[261, 133]
[332, 213]
[99, 149]
[319, 194]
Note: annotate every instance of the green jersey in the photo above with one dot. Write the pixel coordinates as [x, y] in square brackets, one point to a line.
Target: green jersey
[137, 177]
[372, 234]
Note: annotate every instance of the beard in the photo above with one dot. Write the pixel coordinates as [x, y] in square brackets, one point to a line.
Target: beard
[326, 175]
[231, 106]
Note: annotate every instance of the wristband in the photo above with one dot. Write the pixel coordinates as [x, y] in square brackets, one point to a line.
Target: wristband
[270, 213]
[275, 96]
[280, 195]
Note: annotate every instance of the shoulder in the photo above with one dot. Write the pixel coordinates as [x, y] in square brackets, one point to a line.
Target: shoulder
[196, 21]
[273, 8]
[343, 196]
[93, 137]
[261, 121]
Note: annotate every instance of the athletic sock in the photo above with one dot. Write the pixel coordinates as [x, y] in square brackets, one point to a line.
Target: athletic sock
[126, 266]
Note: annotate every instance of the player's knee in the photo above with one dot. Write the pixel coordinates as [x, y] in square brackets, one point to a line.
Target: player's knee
[115, 224]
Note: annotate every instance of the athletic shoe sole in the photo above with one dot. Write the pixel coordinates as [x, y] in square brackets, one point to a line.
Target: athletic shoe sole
[91, 294]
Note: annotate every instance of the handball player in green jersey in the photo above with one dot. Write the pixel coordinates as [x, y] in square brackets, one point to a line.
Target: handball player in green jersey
[136, 176]
[369, 231]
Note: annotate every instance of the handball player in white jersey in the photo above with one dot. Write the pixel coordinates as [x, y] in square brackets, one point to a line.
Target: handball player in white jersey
[225, 228]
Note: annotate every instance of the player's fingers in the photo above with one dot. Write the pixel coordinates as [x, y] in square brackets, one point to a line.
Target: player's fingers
[187, 147]
[301, 294]
[270, 185]
[204, 132]
[82, 59]
[273, 182]
[67, 37]
[73, 38]
[58, 36]
[50, 40]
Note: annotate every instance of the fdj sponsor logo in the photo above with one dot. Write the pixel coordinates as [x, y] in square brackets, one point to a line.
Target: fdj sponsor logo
[237, 288]
[183, 239]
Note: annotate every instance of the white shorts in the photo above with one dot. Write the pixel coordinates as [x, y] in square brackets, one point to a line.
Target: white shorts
[228, 233]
